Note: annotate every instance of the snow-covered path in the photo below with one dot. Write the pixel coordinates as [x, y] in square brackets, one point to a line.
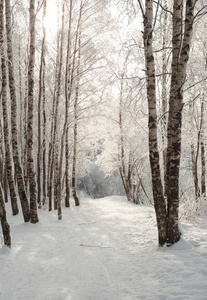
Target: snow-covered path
[106, 249]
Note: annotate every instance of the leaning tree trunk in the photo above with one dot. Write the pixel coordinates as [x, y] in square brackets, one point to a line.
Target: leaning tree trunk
[4, 95]
[30, 160]
[4, 224]
[159, 201]
[15, 144]
[181, 43]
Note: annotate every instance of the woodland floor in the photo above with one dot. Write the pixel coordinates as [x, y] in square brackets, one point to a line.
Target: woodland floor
[106, 249]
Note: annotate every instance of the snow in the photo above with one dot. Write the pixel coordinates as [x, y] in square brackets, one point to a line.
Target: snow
[106, 249]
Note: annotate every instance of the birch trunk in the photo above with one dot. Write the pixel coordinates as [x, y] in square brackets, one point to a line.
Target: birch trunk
[203, 169]
[181, 43]
[44, 174]
[40, 96]
[15, 146]
[25, 123]
[21, 109]
[58, 164]
[4, 224]
[75, 131]
[55, 109]
[122, 156]
[67, 104]
[164, 91]
[30, 160]
[203, 160]
[9, 163]
[194, 159]
[159, 201]
[59, 176]
[67, 182]
[56, 174]
[76, 199]
[5, 184]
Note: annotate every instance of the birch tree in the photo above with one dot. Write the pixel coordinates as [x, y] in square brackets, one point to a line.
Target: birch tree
[30, 159]
[159, 201]
[75, 129]
[181, 43]
[68, 87]
[167, 215]
[41, 112]
[54, 117]
[4, 224]
[4, 97]
[15, 144]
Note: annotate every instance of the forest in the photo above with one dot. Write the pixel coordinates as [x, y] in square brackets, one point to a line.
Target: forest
[103, 98]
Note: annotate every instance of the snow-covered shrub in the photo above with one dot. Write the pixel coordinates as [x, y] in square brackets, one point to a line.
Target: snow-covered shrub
[96, 184]
[191, 208]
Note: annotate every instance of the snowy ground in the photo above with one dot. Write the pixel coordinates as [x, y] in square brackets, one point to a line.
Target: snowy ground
[106, 249]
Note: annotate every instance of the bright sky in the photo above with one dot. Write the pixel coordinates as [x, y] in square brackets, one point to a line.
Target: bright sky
[50, 21]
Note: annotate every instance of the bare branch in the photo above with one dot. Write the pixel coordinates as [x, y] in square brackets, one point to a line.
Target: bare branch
[199, 12]
[191, 86]
[155, 19]
[142, 9]
[170, 12]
